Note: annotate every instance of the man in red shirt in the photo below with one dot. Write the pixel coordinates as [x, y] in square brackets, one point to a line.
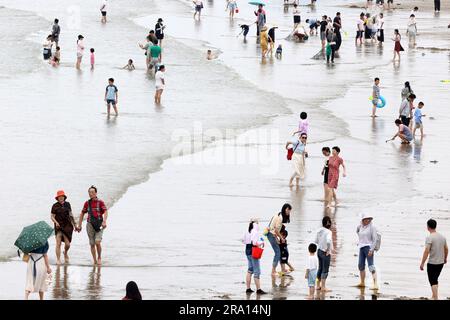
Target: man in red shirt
[96, 223]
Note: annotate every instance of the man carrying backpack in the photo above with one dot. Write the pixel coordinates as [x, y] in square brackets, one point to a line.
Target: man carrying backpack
[369, 242]
[96, 223]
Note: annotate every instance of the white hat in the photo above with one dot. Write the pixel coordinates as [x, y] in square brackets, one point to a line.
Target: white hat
[366, 215]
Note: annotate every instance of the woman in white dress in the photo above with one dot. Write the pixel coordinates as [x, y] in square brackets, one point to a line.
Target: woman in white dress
[37, 272]
[298, 158]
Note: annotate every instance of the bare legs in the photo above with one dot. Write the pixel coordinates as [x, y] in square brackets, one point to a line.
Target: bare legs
[58, 250]
[96, 251]
[158, 94]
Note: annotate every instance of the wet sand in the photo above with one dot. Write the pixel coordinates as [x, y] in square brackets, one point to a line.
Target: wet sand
[193, 212]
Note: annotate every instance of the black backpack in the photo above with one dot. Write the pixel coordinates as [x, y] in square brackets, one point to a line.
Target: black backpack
[95, 222]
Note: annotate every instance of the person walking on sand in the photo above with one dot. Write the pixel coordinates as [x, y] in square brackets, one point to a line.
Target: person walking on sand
[367, 242]
[62, 217]
[326, 153]
[80, 50]
[111, 97]
[56, 30]
[132, 292]
[103, 10]
[403, 133]
[251, 239]
[160, 83]
[334, 163]
[38, 270]
[198, 8]
[96, 223]
[273, 233]
[231, 7]
[375, 96]
[406, 91]
[436, 251]
[411, 30]
[398, 46]
[325, 247]
[298, 157]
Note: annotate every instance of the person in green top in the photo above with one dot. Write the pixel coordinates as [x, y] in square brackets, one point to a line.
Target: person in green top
[153, 53]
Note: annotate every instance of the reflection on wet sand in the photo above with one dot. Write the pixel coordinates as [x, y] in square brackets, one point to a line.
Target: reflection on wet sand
[94, 288]
[61, 290]
[418, 149]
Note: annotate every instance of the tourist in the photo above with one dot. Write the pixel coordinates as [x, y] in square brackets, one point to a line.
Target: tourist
[62, 217]
[334, 162]
[436, 251]
[96, 223]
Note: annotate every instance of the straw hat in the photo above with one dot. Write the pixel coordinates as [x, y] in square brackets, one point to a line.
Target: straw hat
[264, 28]
[60, 193]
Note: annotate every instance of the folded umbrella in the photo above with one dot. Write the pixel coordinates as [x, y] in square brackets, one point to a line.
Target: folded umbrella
[33, 237]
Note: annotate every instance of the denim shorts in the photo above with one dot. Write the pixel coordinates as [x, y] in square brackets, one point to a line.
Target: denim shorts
[312, 275]
[253, 266]
[363, 256]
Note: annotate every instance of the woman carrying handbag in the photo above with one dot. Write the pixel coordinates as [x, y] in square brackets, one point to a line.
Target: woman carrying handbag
[254, 245]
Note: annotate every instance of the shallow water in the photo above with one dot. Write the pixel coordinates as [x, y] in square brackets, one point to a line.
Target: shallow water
[191, 214]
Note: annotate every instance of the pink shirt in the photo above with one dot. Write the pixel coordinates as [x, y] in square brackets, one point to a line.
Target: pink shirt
[92, 58]
[303, 126]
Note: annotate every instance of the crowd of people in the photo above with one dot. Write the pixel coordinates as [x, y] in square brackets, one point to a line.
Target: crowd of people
[369, 29]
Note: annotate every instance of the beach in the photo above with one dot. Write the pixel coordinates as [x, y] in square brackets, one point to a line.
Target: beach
[176, 219]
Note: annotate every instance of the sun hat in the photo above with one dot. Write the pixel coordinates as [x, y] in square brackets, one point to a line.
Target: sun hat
[60, 193]
[264, 28]
[366, 215]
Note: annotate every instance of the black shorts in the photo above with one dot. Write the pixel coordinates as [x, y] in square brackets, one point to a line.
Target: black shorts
[359, 34]
[104, 13]
[433, 271]
[405, 120]
[297, 19]
[325, 176]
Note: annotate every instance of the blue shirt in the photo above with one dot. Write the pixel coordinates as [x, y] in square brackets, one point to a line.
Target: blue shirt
[111, 92]
[297, 145]
[418, 115]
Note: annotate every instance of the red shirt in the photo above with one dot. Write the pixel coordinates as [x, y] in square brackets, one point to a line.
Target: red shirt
[97, 206]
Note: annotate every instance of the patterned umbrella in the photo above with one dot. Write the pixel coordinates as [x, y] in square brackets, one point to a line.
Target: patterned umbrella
[33, 237]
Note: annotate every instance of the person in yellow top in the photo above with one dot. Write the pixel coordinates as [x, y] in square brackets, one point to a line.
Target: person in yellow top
[264, 40]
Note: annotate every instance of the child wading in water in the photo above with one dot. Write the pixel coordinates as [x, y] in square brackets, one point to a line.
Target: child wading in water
[129, 66]
[311, 270]
[92, 58]
[418, 119]
[111, 97]
[284, 258]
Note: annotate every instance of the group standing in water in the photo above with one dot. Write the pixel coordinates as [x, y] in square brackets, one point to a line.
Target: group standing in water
[319, 251]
